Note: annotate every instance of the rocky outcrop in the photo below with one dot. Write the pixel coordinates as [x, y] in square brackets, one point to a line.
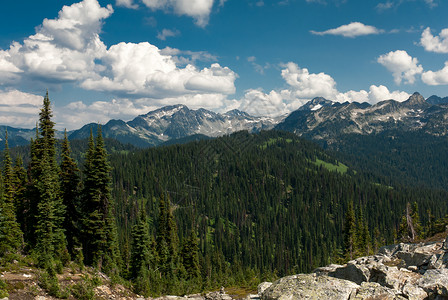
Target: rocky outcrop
[402, 271]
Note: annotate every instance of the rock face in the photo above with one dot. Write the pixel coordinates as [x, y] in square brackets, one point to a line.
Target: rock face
[402, 271]
[322, 121]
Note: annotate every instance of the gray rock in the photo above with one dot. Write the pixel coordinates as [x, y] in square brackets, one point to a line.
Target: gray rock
[310, 286]
[353, 272]
[327, 269]
[262, 287]
[373, 290]
[414, 292]
[435, 282]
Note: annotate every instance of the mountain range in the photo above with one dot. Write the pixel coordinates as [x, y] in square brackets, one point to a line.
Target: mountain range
[319, 119]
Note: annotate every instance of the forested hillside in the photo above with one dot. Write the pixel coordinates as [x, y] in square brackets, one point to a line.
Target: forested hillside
[261, 204]
[399, 157]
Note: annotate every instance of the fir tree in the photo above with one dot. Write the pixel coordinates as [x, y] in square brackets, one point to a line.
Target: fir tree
[140, 248]
[100, 233]
[190, 256]
[70, 189]
[167, 239]
[48, 227]
[350, 233]
[11, 237]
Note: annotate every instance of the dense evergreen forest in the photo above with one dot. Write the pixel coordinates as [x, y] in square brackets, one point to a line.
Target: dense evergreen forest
[399, 157]
[230, 211]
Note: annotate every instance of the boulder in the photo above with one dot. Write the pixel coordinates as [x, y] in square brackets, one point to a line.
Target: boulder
[263, 286]
[354, 272]
[414, 292]
[435, 282]
[310, 286]
[373, 290]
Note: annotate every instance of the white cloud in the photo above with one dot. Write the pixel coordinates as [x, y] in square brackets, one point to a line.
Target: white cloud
[351, 30]
[141, 70]
[185, 57]
[69, 49]
[19, 109]
[394, 4]
[402, 65]
[63, 49]
[302, 87]
[436, 78]
[167, 33]
[306, 85]
[127, 3]
[258, 103]
[438, 44]
[198, 9]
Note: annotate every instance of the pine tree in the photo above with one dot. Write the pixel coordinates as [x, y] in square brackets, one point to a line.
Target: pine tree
[350, 233]
[48, 227]
[70, 189]
[11, 237]
[21, 196]
[140, 248]
[167, 239]
[100, 233]
[190, 256]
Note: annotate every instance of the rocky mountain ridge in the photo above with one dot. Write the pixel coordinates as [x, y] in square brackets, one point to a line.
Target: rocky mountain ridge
[159, 126]
[330, 121]
[318, 119]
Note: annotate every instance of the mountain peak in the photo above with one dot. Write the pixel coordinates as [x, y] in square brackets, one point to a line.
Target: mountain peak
[415, 99]
[316, 104]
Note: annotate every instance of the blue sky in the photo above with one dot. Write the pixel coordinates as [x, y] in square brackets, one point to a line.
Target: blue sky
[110, 59]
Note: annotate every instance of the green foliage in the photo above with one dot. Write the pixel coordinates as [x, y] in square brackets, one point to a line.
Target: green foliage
[99, 230]
[258, 204]
[84, 290]
[49, 282]
[3, 289]
[410, 228]
[350, 238]
[11, 237]
[141, 255]
[70, 189]
[50, 240]
[190, 256]
[339, 167]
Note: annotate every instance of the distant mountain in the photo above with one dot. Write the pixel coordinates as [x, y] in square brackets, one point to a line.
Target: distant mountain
[319, 119]
[329, 121]
[177, 122]
[436, 100]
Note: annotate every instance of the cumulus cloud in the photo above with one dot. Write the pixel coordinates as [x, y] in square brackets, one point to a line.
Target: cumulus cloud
[308, 85]
[19, 109]
[438, 44]
[63, 49]
[302, 86]
[167, 33]
[69, 49]
[198, 9]
[402, 65]
[436, 78]
[141, 70]
[374, 95]
[127, 3]
[351, 30]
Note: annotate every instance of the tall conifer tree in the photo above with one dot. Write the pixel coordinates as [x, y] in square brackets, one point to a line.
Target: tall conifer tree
[49, 232]
[70, 189]
[100, 232]
[11, 237]
[350, 240]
